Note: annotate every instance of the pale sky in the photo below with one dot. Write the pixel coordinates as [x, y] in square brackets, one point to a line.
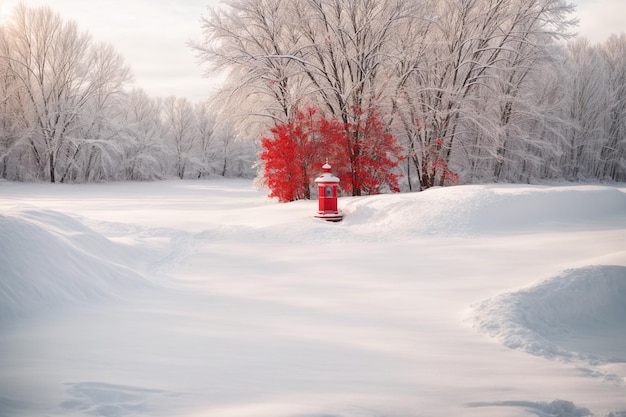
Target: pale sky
[152, 35]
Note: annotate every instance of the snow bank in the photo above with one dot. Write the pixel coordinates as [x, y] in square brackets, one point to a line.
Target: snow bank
[578, 315]
[262, 317]
[478, 209]
[50, 259]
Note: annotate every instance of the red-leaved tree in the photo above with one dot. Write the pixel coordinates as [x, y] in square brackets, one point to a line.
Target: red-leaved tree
[372, 153]
[294, 153]
[363, 154]
[434, 166]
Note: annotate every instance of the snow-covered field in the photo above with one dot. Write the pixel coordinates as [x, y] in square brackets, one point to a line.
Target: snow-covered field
[205, 298]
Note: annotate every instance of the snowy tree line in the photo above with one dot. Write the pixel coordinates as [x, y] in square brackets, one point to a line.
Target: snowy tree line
[68, 113]
[473, 90]
[486, 90]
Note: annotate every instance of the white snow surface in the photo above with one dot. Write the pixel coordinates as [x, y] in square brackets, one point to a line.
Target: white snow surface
[206, 298]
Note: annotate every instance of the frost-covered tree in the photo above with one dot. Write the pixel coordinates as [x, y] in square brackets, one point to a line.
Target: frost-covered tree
[457, 78]
[146, 155]
[182, 132]
[464, 78]
[206, 122]
[99, 140]
[66, 113]
[57, 80]
[251, 41]
[347, 64]
[593, 112]
[586, 108]
[235, 154]
[612, 164]
[285, 55]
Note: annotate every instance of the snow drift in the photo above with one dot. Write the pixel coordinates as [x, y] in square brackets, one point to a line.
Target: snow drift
[578, 315]
[50, 259]
[267, 311]
[477, 210]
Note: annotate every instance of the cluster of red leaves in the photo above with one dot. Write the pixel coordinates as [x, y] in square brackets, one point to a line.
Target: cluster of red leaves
[363, 154]
[435, 166]
[374, 154]
[295, 152]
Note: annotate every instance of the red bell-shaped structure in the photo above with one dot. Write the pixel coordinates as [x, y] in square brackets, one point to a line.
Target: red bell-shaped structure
[327, 185]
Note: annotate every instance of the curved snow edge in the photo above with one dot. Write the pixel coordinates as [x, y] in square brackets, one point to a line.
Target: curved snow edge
[49, 260]
[576, 303]
[472, 210]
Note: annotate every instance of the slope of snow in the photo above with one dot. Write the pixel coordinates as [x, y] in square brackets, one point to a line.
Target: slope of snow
[49, 259]
[478, 210]
[576, 316]
[206, 298]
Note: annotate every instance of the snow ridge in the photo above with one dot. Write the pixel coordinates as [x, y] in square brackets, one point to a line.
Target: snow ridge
[473, 210]
[48, 259]
[560, 318]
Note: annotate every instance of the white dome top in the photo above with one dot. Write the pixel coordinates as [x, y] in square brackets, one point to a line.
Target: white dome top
[327, 176]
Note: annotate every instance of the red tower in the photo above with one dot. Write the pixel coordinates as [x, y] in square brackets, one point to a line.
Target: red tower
[327, 185]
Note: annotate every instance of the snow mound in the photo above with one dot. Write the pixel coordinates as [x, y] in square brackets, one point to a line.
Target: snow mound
[49, 259]
[478, 209]
[578, 315]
